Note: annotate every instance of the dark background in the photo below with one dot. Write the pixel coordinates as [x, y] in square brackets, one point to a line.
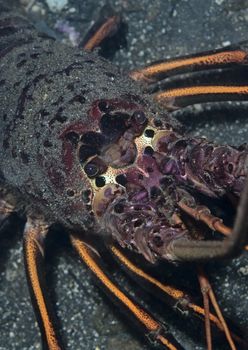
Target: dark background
[155, 30]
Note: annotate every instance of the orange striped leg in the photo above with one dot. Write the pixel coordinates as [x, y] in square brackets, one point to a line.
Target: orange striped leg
[150, 326]
[107, 26]
[34, 236]
[162, 290]
[223, 58]
[208, 293]
[185, 96]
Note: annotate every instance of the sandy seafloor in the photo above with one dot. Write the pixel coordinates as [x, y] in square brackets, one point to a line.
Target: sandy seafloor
[156, 29]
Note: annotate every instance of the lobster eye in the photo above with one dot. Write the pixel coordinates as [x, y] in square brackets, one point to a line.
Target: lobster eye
[139, 117]
[91, 169]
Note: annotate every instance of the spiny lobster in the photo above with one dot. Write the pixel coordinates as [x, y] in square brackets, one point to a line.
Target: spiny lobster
[84, 146]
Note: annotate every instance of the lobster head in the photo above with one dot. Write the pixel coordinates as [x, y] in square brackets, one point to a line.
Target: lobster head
[121, 154]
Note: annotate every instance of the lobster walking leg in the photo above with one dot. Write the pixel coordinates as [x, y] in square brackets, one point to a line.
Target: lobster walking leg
[187, 250]
[208, 293]
[34, 237]
[223, 58]
[206, 310]
[182, 97]
[105, 27]
[162, 290]
[202, 213]
[151, 327]
[104, 31]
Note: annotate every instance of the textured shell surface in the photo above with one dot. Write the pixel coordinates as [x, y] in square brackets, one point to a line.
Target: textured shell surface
[50, 88]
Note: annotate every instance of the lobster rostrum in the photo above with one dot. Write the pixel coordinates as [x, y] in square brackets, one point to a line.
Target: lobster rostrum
[85, 146]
